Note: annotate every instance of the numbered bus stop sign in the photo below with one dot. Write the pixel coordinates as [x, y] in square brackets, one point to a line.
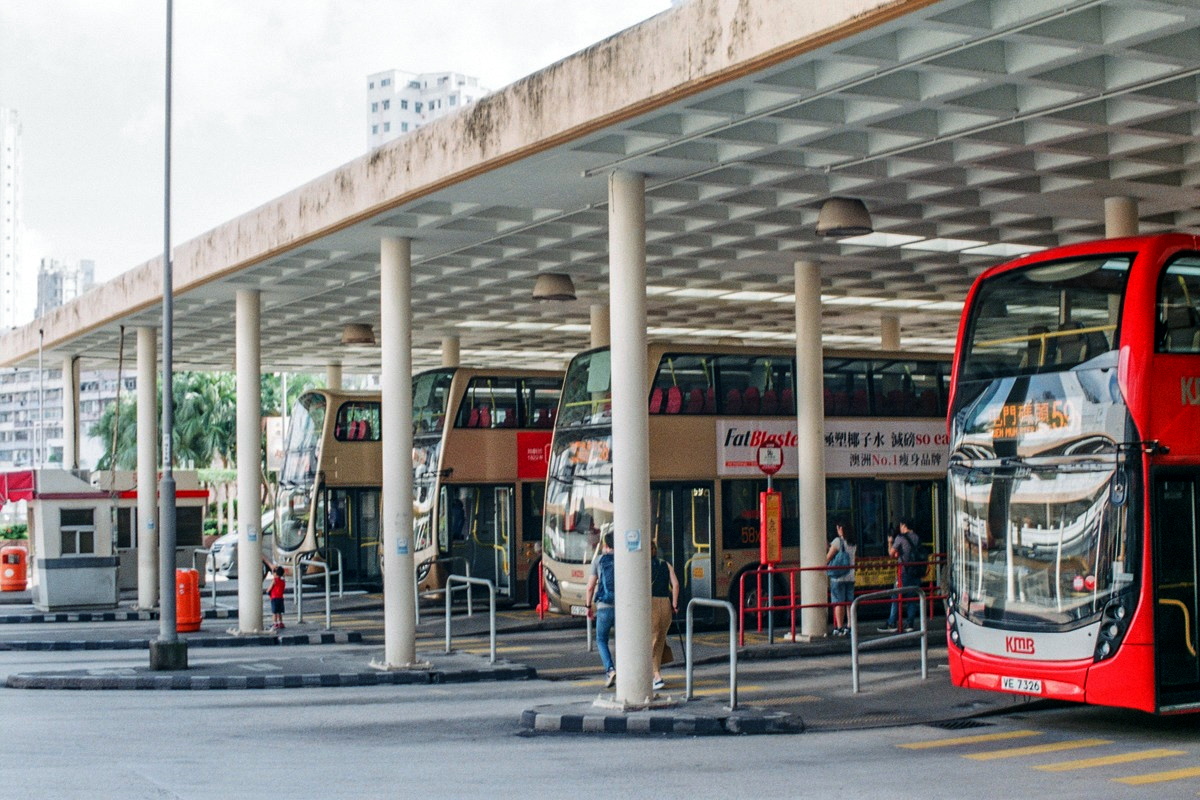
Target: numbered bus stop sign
[770, 458]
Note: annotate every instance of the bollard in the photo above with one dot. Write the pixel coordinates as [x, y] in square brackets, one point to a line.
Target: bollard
[14, 572]
[187, 600]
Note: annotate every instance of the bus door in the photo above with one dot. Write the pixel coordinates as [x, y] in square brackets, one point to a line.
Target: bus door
[353, 529]
[1177, 586]
[480, 519]
[682, 524]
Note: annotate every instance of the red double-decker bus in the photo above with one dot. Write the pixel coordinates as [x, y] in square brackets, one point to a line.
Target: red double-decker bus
[1074, 479]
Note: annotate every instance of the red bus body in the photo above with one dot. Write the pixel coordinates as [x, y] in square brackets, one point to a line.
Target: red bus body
[1071, 573]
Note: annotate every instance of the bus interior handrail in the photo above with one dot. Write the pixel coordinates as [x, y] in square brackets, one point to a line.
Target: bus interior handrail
[922, 633]
[688, 663]
[466, 584]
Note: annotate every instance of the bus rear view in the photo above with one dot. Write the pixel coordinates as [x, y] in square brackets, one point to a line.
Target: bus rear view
[1074, 480]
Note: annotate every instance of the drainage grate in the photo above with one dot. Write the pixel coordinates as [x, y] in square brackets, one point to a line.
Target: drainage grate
[959, 724]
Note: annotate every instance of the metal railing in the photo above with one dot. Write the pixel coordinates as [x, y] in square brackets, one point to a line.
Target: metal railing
[203, 570]
[699, 601]
[923, 633]
[301, 564]
[418, 594]
[466, 584]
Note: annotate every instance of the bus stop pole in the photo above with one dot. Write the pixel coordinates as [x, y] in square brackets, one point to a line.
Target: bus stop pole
[399, 578]
[810, 447]
[630, 435]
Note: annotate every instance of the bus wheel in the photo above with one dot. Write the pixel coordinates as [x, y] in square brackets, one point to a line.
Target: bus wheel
[751, 599]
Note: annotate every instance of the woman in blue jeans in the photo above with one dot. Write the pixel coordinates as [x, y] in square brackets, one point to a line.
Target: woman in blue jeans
[600, 596]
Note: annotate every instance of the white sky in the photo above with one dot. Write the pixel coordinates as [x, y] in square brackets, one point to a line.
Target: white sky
[267, 95]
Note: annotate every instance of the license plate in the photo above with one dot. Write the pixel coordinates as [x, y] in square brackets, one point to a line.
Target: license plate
[1023, 685]
[578, 611]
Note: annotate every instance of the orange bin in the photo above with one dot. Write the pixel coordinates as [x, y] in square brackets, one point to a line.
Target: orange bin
[14, 568]
[187, 600]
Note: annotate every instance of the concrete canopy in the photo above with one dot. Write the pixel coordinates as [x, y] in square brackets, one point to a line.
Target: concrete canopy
[972, 129]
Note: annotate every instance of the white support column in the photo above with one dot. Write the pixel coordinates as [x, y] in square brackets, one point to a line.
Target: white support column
[450, 351]
[147, 467]
[889, 333]
[600, 325]
[399, 604]
[249, 459]
[630, 435]
[1120, 217]
[333, 375]
[70, 405]
[810, 449]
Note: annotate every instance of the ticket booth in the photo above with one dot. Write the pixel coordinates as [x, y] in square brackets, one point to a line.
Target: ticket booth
[190, 499]
[71, 547]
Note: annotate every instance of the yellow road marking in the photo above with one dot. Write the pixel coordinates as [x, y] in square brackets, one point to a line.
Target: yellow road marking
[722, 691]
[1160, 777]
[561, 670]
[499, 649]
[1034, 750]
[784, 701]
[1104, 761]
[981, 737]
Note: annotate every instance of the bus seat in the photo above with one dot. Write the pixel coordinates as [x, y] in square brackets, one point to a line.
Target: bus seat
[674, 400]
[364, 430]
[858, 402]
[1072, 347]
[473, 420]
[485, 417]
[710, 400]
[787, 401]
[1033, 355]
[656, 400]
[508, 417]
[893, 403]
[695, 402]
[828, 400]
[733, 402]
[927, 404]
[339, 433]
[770, 402]
[841, 404]
[751, 400]
[1183, 330]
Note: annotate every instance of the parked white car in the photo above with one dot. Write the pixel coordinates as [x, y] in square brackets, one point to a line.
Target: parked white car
[223, 553]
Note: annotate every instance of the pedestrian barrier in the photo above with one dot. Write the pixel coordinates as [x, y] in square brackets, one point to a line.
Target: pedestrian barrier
[418, 594]
[187, 601]
[466, 582]
[298, 591]
[923, 633]
[700, 601]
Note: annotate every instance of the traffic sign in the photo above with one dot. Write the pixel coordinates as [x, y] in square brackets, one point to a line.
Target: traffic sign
[770, 458]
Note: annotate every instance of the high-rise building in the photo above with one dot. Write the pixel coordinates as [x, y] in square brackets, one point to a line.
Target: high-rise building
[59, 282]
[399, 102]
[10, 219]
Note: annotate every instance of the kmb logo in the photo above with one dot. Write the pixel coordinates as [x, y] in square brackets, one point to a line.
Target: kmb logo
[1019, 644]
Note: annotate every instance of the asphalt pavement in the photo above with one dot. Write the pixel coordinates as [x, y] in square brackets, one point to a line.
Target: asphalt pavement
[781, 687]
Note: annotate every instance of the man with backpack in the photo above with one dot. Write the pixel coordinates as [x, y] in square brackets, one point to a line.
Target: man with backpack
[600, 598]
[907, 549]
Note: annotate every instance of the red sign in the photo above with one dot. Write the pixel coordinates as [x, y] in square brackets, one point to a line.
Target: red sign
[769, 457]
[533, 454]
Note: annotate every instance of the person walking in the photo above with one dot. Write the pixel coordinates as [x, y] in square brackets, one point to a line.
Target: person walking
[276, 594]
[600, 596]
[664, 605]
[841, 578]
[903, 547]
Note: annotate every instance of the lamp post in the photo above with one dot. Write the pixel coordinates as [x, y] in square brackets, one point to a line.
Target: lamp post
[168, 652]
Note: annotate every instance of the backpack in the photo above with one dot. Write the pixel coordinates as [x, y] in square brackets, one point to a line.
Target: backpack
[917, 555]
[841, 560]
[604, 580]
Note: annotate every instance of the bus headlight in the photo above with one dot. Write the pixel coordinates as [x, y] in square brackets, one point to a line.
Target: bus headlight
[952, 624]
[1113, 624]
[552, 583]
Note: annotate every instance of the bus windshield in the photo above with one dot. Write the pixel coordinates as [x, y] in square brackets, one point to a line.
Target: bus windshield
[299, 470]
[578, 496]
[431, 395]
[1044, 318]
[1038, 546]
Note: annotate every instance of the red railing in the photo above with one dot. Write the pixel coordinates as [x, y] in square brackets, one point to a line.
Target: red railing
[770, 575]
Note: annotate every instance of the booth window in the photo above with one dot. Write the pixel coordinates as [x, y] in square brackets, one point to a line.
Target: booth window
[78, 529]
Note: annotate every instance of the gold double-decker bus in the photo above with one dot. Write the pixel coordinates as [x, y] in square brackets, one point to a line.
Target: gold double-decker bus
[710, 406]
[481, 440]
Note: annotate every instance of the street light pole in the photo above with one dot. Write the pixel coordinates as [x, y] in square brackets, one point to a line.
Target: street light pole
[168, 652]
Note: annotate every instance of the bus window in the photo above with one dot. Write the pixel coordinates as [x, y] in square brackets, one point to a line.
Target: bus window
[539, 402]
[488, 402]
[683, 384]
[431, 393]
[758, 385]
[587, 392]
[741, 524]
[1179, 307]
[358, 422]
[907, 389]
[846, 387]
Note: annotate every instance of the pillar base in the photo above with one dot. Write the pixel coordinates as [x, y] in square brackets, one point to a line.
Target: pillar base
[168, 655]
[385, 667]
[610, 703]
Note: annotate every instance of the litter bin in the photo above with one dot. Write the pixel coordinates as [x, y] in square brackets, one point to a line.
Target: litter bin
[14, 569]
[187, 600]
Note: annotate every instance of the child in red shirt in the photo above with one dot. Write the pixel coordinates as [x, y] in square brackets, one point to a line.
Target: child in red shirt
[276, 595]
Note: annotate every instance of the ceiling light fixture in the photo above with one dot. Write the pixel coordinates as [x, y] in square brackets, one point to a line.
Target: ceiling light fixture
[553, 286]
[357, 333]
[843, 216]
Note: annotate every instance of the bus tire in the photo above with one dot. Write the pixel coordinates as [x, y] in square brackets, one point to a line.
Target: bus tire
[752, 592]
